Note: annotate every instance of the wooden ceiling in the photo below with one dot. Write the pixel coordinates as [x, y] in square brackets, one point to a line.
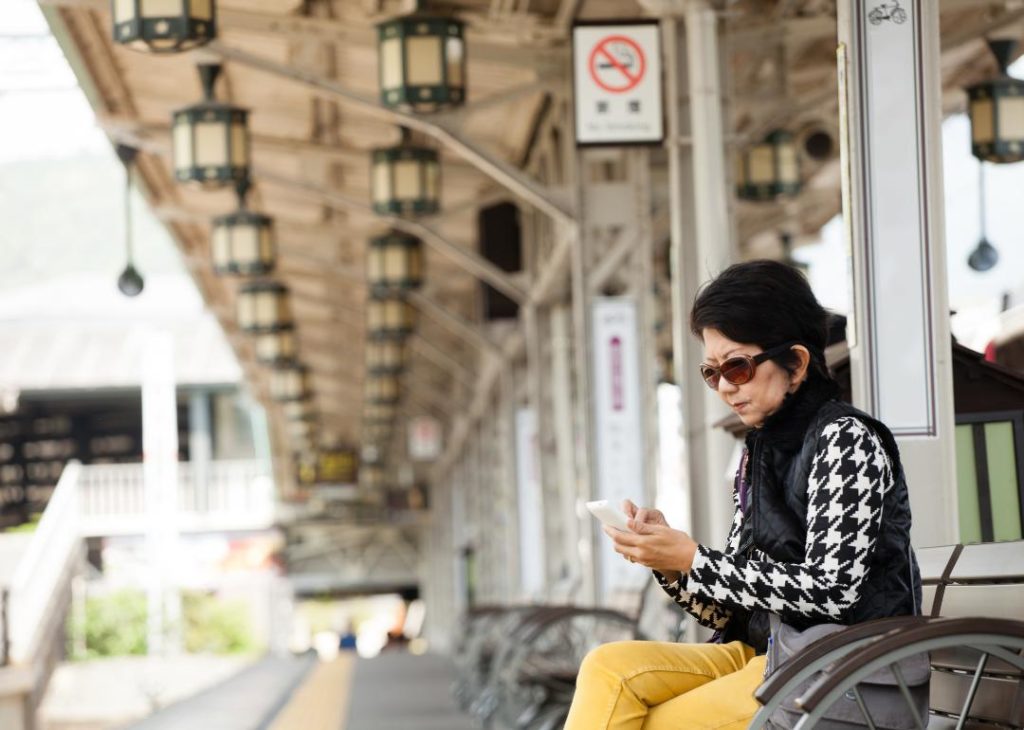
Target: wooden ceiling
[311, 152]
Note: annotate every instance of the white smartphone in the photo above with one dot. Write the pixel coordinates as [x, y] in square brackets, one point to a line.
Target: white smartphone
[608, 515]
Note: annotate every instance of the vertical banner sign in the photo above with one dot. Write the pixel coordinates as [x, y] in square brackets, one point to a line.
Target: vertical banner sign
[424, 438]
[617, 83]
[618, 425]
[531, 506]
[894, 219]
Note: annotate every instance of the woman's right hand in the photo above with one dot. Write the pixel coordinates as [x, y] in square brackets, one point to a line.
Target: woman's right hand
[642, 515]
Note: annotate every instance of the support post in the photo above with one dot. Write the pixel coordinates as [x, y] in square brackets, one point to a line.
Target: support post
[899, 336]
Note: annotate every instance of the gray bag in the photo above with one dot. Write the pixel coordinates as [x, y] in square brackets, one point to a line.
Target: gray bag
[880, 691]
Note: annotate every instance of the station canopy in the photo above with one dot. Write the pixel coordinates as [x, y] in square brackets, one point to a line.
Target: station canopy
[306, 70]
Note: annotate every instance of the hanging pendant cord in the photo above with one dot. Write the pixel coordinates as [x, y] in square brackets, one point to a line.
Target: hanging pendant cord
[128, 212]
[981, 199]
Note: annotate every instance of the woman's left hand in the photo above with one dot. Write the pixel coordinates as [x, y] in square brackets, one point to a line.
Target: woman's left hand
[658, 547]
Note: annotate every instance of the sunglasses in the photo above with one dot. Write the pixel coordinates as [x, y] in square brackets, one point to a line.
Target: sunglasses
[739, 369]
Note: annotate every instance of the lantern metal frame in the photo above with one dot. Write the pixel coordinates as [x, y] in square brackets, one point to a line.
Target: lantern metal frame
[784, 160]
[211, 126]
[193, 26]
[299, 409]
[399, 40]
[263, 307]
[386, 357]
[405, 180]
[988, 105]
[383, 390]
[277, 347]
[291, 382]
[394, 261]
[389, 316]
[242, 242]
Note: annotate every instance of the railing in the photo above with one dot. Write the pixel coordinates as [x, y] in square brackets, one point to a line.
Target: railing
[43, 572]
[220, 496]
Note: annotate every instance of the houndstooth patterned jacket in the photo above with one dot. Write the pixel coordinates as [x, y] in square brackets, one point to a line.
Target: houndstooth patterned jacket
[849, 478]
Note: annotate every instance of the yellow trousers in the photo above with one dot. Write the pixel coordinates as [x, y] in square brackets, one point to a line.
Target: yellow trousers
[653, 685]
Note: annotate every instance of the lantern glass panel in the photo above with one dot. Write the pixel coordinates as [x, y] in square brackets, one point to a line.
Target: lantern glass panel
[433, 174]
[1011, 118]
[275, 346]
[124, 10]
[211, 144]
[761, 165]
[391, 63]
[423, 61]
[239, 144]
[182, 143]
[160, 8]
[201, 9]
[245, 243]
[454, 49]
[221, 245]
[789, 171]
[407, 180]
[381, 182]
[395, 263]
[982, 122]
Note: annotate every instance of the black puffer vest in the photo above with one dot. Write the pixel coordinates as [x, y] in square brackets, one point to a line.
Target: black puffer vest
[776, 521]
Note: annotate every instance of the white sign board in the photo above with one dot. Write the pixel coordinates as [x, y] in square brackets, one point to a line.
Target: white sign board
[901, 358]
[531, 516]
[617, 83]
[424, 438]
[618, 424]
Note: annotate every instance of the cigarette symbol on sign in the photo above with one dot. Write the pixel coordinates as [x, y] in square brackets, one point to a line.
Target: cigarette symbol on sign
[617, 64]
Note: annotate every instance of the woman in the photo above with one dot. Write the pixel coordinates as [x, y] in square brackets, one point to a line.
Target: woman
[820, 534]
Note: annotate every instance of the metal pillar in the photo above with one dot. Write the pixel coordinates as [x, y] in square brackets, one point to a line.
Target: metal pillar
[200, 446]
[899, 337]
[701, 247]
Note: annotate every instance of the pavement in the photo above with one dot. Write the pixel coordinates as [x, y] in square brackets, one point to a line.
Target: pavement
[399, 691]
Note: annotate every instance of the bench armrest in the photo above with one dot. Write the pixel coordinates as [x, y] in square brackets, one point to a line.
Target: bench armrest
[894, 646]
[810, 659]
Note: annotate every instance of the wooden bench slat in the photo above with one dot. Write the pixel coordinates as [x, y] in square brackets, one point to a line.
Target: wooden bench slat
[990, 561]
[994, 701]
[932, 561]
[966, 660]
[989, 601]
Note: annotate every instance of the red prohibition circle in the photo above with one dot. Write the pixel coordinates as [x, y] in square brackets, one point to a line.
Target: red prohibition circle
[601, 53]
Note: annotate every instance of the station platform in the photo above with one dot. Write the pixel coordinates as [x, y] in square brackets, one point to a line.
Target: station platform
[394, 690]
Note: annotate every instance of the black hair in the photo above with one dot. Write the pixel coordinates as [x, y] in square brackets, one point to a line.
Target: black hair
[764, 303]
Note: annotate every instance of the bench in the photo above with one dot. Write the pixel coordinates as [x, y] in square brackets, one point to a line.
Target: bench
[973, 627]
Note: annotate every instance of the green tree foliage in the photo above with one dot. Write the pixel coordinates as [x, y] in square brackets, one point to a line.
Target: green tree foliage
[114, 625]
[215, 626]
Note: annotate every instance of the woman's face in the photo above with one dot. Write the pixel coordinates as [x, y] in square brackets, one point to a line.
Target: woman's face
[757, 399]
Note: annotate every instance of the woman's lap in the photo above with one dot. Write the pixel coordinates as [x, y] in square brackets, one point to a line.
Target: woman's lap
[620, 683]
[727, 703]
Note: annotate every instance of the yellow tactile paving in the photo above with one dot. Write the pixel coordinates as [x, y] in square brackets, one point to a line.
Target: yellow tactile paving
[321, 703]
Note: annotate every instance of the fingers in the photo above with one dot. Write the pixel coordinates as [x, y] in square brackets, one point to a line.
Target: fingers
[629, 508]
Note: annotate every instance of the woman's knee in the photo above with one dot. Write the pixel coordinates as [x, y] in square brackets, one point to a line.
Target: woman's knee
[615, 657]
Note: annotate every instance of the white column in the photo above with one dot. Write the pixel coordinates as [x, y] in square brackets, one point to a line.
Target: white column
[701, 248]
[900, 351]
[160, 474]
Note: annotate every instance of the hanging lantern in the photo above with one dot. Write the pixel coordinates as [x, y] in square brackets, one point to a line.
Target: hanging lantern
[243, 241]
[377, 413]
[277, 347]
[371, 476]
[164, 26]
[385, 357]
[290, 383]
[382, 389]
[389, 317]
[405, 179]
[301, 409]
[996, 108]
[422, 62]
[263, 307]
[769, 169]
[211, 139]
[300, 433]
[394, 261]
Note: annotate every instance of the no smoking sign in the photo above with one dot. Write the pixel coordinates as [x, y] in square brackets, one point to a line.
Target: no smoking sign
[617, 84]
